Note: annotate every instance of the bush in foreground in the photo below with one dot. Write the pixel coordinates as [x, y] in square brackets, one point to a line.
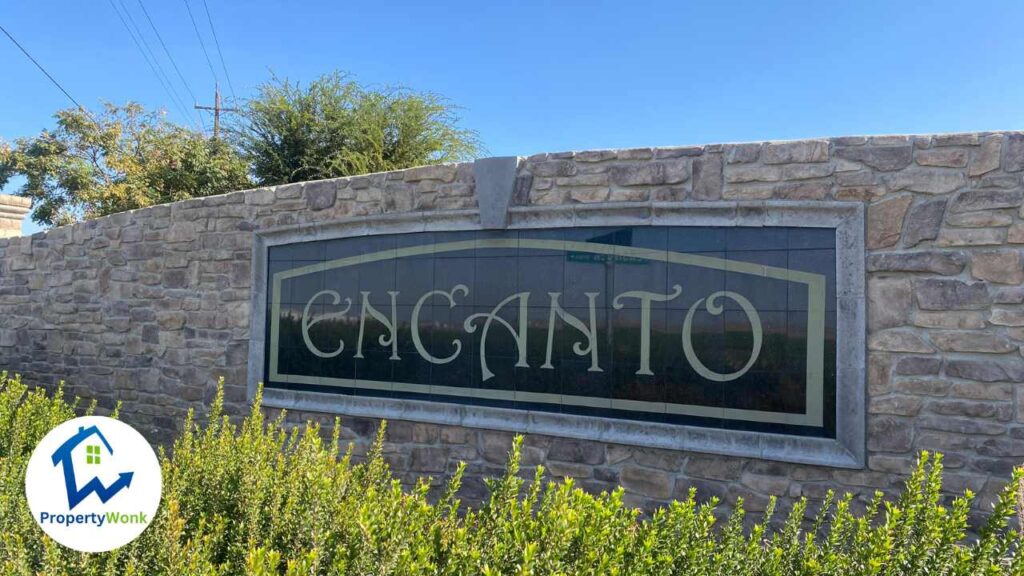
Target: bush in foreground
[263, 500]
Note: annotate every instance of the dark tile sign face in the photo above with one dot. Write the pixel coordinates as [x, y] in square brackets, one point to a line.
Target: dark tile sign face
[722, 327]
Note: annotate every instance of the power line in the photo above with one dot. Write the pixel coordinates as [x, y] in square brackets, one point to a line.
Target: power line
[201, 43]
[219, 53]
[43, 70]
[165, 80]
[146, 57]
[171, 58]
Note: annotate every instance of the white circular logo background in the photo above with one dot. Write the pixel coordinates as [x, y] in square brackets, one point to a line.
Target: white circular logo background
[93, 484]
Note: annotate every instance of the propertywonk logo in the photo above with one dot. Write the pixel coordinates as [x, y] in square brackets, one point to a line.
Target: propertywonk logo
[93, 484]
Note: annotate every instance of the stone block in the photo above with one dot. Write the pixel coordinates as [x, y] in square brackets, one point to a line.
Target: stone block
[971, 237]
[647, 482]
[879, 373]
[962, 426]
[635, 154]
[889, 302]
[742, 153]
[456, 435]
[891, 464]
[639, 175]
[942, 157]
[1002, 266]
[918, 366]
[970, 409]
[321, 194]
[171, 320]
[895, 404]
[982, 391]
[674, 152]
[971, 341]
[960, 139]
[798, 151]
[1013, 152]
[949, 320]
[866, 193]
[989, 219]
[924, 220]
[745, 173]
[573, 450]
[1007, 294]
[568, 469]
[922, 386]
[494, 446]
[1007, 317]
[986, 370]
[927, 180]
[260, 197]
[595, 155]
[883, 158]
[768, 485]
[890, 433]
[1015, 235]
[803, 191]
[610, 475]
[898, 340]
[807, 171]
[704, 490]
[1003, 448]
[669, 460]
[885, 221]
[177, 278]
[714, 467]
[986, 157]
[447, 172]
[946, 263]
[949, 294]
[975, 200]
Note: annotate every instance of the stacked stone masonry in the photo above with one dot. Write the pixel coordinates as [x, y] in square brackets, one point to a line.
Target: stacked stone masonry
[151, 307]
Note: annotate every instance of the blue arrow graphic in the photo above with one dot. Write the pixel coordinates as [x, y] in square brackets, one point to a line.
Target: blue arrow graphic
[76, 495]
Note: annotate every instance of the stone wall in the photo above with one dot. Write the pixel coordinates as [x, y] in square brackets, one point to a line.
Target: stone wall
[150, 307]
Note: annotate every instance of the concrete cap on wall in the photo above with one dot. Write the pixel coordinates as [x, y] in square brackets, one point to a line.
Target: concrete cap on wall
[495, 183]
[12, 211]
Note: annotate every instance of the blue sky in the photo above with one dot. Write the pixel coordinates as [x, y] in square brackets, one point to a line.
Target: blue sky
[543, 76]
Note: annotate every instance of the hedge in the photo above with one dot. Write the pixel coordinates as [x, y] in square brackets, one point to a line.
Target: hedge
[262, 499]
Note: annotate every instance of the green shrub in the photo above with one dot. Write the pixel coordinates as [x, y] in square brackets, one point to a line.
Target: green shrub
[258, 498]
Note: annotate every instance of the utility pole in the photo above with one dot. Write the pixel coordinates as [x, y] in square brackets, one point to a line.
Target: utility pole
[217, 109]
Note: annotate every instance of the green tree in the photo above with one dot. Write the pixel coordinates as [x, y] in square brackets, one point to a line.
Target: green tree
[121, 159]
[334, 127]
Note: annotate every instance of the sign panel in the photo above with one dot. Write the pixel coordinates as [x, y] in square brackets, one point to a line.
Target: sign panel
[722, 327]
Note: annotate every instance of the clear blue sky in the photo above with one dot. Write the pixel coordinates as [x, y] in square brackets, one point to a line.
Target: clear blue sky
[550, 76]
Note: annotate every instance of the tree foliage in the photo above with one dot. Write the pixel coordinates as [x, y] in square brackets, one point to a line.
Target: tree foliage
[121, 159]
[334, 127]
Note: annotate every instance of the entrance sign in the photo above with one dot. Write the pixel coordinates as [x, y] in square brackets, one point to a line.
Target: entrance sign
[719, 327]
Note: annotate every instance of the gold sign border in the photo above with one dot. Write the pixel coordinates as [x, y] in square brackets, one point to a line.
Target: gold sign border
[813, 416]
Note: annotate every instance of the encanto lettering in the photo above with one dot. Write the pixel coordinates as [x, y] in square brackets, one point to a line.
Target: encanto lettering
[517, 306]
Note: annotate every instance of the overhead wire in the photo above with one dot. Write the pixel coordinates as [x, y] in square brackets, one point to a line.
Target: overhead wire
[201, 43]
[168, 89]
[174, 64]
[219, 52]
[47, 74]
[159, 69]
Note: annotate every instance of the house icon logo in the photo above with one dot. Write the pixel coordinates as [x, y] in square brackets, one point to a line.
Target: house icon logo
[63, 457]
[93, 484]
